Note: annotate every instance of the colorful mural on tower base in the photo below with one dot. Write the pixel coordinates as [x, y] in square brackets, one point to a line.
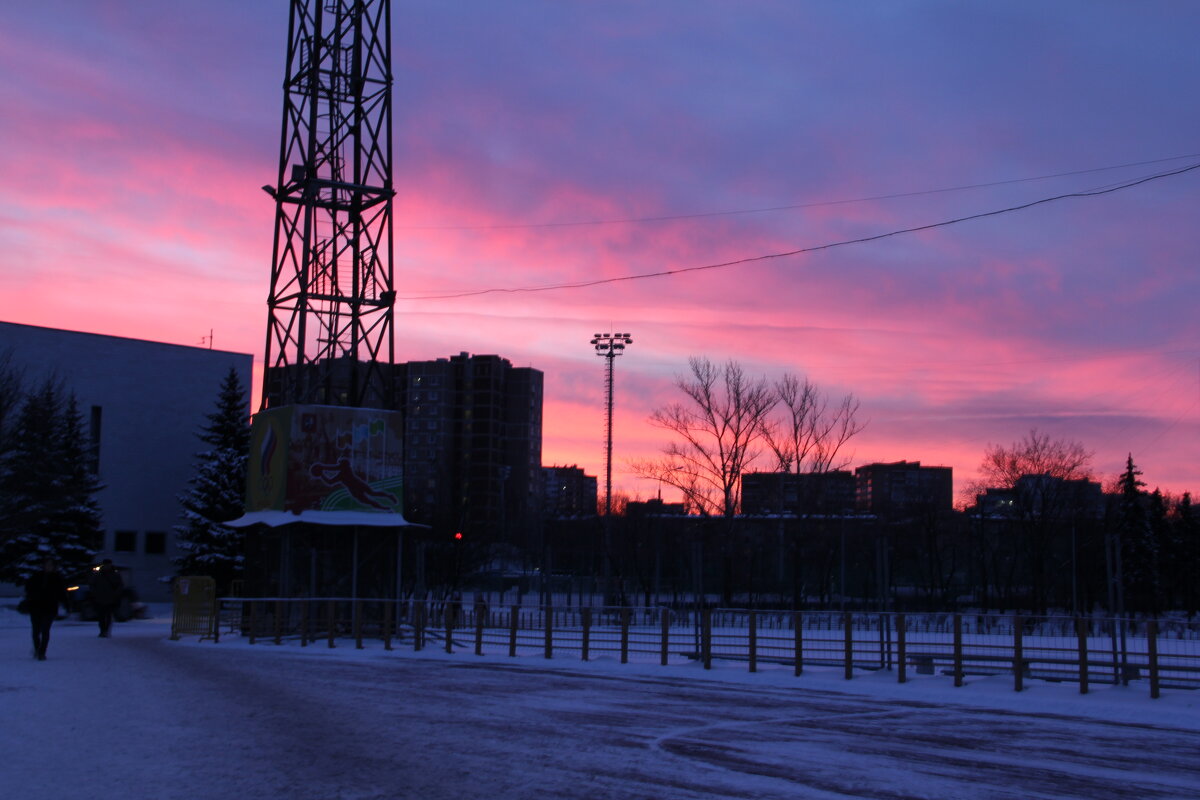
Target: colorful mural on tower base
[325, 458]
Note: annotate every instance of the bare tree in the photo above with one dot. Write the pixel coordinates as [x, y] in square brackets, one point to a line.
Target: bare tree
[718, 430]
[808, 434]
[1044, 512]
[1036, 454]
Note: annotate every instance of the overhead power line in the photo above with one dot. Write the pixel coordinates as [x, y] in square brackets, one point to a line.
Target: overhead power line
[792, 207]
[815, 248]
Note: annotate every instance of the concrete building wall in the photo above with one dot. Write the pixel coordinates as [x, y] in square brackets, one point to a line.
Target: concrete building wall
[150, 399]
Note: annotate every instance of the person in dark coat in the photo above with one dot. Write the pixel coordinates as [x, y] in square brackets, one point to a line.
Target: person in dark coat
[43, 592]
[104, 590]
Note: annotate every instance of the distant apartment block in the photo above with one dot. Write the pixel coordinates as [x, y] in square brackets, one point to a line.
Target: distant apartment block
[903, 489]
[473, 445]
[142, 405]
[799, 494]
[568, 492]
[1043, 496]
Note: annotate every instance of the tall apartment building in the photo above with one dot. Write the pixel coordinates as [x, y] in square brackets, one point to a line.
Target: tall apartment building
[904, 488]
[568, 492]
[473, 445]
[142, 405]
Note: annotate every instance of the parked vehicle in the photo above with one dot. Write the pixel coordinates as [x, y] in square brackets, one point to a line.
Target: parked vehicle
[128, 605]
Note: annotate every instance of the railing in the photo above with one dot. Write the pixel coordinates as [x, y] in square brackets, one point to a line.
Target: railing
[1084, 650]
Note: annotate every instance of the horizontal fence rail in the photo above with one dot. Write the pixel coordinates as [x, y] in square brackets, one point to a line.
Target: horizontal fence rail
[1082, 650]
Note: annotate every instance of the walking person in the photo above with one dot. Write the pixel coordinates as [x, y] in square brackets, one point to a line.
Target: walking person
[43, 592]
[104, 590]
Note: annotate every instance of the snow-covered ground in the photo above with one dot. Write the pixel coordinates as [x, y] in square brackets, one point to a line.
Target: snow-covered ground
[139, 716]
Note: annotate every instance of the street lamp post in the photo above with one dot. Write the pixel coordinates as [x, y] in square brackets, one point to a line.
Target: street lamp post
[609, 345]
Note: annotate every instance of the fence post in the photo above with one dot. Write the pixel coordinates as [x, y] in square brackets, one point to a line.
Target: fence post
[1081, 635]
[624, 635]
[332, 620]
[278, 621]
[666, 635]
[1018, 654]
[1152, 654]
[753, 620]
[253, 621]
[549, 610]
[587, 630]
[358, 645]
[450, 611]
[958, 650]
[798, 623]
[387, 625]
[885, 644]
[513, 613]
[418, 623]
[480, 616]
[848, 623]
[304, 623]
[706, 637]
[901, 654]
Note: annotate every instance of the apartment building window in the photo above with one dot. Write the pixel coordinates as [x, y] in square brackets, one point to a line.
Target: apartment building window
[125, 542]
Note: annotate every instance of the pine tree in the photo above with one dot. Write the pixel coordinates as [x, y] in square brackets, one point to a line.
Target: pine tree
[1182, 557]
[79, 512]
[11, 391]
[216, 493]
[48, 508]
[1139, 551]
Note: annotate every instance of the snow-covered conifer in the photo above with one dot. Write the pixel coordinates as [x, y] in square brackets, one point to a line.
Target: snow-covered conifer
[216, 493]
[47, 503]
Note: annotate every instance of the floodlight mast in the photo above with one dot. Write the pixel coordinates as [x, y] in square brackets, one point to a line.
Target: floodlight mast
[330, 307]
[609, 345]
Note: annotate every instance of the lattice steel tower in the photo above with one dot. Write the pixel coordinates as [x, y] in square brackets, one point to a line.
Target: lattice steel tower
[330, 317]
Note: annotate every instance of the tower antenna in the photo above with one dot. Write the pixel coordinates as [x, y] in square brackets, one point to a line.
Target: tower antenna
[330, 308]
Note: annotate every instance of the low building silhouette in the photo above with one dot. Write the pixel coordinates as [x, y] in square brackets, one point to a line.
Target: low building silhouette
[799, 494]
[568, 492]
[142, 404]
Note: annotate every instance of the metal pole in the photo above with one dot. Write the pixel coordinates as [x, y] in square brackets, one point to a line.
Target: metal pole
[609, 345]
[608, 428]
[842, 559]
[354, 566]
[1074, 573]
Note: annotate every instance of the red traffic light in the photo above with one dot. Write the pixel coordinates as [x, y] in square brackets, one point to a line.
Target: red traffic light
[458, 536]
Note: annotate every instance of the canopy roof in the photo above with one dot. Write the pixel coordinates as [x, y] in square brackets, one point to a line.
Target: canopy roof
[366, 519]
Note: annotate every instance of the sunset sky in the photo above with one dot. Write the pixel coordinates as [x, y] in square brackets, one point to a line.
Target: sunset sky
[541, 143]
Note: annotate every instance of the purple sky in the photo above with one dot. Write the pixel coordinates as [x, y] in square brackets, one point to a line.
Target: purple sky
[135, 135]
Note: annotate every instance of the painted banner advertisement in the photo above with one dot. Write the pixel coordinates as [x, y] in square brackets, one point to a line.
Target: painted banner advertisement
[325, 458]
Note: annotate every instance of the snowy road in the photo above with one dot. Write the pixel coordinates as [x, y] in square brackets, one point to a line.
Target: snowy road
[141, 717]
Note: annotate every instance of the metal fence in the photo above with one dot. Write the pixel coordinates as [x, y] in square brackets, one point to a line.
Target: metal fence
[1082, 650]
